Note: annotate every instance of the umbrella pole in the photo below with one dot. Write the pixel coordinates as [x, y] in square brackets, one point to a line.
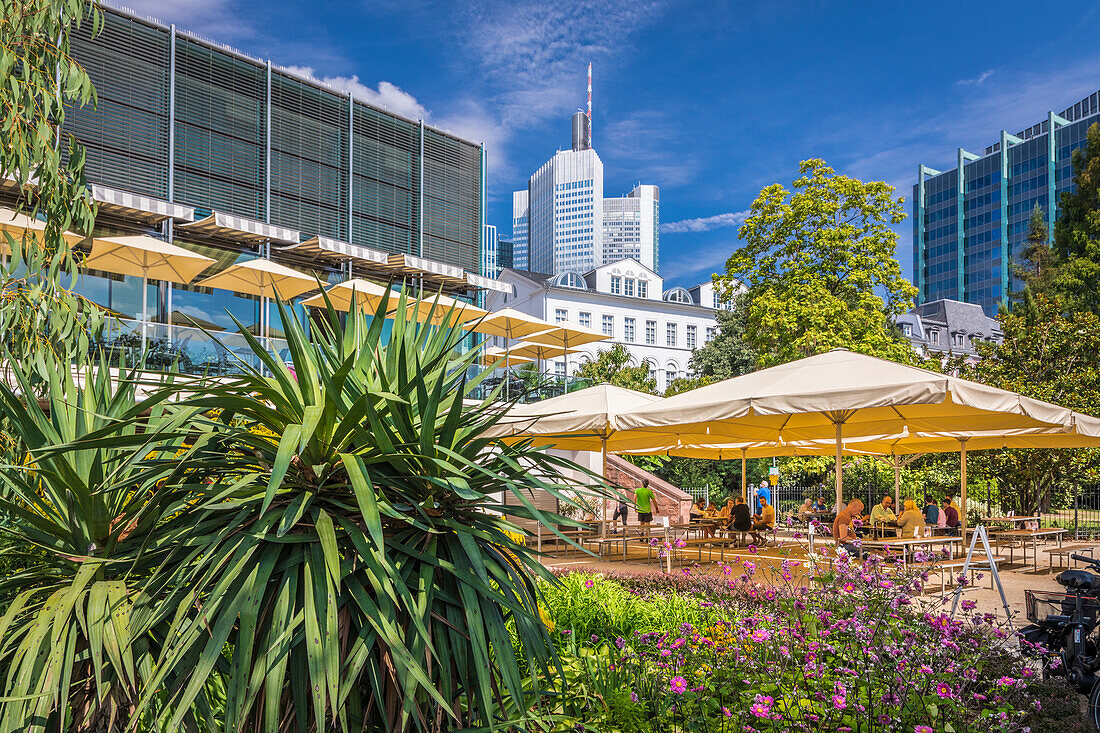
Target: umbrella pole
[744, 473]
[603, 470]
[897, 482]
[962, 482]
[839, 466]
[144, 312]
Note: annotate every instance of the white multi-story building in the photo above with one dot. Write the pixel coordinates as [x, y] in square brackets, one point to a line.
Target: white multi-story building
[520, 214]
[564, 224]
[631, 227]
[626, 301]
[488, 265]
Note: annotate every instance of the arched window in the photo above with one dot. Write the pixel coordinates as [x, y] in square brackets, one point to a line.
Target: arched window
[570, 280]
[678, 295]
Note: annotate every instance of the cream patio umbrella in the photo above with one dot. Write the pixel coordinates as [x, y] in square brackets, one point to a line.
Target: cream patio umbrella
[586, 415]
[493, 354]
[439, 309]
[566, 336]
[842, 394]
[144, 256]
[19, 225]
[264, 278]
[509, 324]
[364, 293]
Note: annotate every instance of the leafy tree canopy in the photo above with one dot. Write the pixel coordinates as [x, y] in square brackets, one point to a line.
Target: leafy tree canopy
[728, 354]
[1077, 231]
[616, 366]
[820, 267]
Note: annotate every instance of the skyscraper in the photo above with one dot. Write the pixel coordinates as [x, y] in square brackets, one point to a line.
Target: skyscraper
[631, 227]
[563, 223]
[969, 223]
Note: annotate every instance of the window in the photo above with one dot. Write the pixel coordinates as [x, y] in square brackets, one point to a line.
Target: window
[630, 287]
[651, 333]
[670, 334]
[643, 289]
[560, 315]
[586, 319]
[691, 337]
[608, 325]
[907, 329]
[652, 370]
[934, 336]
[960, 338]
[616, 285]
[559, 369]
[628, 328]
[712, 331]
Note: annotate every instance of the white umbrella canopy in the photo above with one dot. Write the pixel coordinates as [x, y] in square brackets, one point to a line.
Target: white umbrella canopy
[492, 355]
[509, 323]
[587, 415]
[813, 398]
[567, 335]
[365, 294]
[19, 225]
[439, 309]
[262, 277]
[539, 351]
[146, 257]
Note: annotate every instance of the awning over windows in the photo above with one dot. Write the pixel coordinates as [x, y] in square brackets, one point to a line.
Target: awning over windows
[487, 283]
[146, 209]
[239, 229]
[432, 271]
[334, 249]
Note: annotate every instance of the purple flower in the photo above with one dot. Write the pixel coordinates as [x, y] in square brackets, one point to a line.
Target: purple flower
[678, 685]
[589, 583]
[922, 729]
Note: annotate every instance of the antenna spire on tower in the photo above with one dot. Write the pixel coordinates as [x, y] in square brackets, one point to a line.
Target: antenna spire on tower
[590, 103]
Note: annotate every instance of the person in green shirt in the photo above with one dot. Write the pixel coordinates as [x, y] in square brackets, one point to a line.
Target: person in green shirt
[882, 514]
[646, 502]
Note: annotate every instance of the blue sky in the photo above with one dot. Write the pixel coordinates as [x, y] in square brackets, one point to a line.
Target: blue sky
[711, 101]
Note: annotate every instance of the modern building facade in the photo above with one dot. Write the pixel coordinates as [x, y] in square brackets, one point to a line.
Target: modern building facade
[631, 227]
[236, 158]
[626, 301]
[563, 223]
[948, 328]
[521, 214]
[490, 244]
[970, 222]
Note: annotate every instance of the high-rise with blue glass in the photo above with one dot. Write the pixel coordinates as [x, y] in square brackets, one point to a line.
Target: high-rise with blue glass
[969, 223]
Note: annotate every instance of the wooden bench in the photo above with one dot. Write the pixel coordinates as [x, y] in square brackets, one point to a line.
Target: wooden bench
[979, 562]
[1066, 550]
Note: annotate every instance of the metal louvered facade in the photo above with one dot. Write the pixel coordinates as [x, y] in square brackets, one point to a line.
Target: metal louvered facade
[126, 134]
[190, 122]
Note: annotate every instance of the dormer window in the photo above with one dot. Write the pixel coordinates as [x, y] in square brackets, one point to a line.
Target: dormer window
[907, 330]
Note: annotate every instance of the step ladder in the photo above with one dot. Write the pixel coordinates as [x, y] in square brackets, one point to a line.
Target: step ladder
[980, 533]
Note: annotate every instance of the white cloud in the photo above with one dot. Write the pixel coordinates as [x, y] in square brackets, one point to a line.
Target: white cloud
[705, 223]
[980, 78]
[387, 96]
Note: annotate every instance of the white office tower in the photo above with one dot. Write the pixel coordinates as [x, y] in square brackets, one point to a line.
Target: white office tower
[631, 227]
[565, 213]
[521, 259]
[489, 242]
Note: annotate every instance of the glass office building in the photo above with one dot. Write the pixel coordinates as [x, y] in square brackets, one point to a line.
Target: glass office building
[233, 157]
[969, 223]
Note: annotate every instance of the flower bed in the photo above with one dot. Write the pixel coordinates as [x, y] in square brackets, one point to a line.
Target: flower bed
[720, 652]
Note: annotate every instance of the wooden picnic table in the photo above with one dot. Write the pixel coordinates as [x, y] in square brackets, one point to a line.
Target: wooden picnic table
[904, 543]
[1025, 535]
[1010, 520]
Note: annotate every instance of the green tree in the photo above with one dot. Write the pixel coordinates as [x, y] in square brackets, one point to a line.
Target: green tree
[43, 323]
[1037, 263]
[820, 267]
[729, 353]
[1051, 355]
[616, 366]
[1077, 231]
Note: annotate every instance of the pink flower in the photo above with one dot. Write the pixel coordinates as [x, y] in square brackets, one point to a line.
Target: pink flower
[839, 702]
[944, 690]
[589, 583]
[727, 713]
[678, 685]
[922, 729]
[761, 635]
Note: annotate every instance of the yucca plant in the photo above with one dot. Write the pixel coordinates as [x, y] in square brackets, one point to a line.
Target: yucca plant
[355, 566]
[88, 507]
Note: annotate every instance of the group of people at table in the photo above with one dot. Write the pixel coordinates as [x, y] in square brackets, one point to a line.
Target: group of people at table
[851, 523]
[736, 515]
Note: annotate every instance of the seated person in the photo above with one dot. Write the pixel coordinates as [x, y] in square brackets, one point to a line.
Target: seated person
[911, 521]
[806, 511]
[698, 510]
[882, 515]
[843, 531]
[951, 517]
[764, 521]
[820, 505]
[741, 516]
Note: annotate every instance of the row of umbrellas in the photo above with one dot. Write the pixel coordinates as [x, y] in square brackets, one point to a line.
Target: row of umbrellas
[838, 403]
[154, 259]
